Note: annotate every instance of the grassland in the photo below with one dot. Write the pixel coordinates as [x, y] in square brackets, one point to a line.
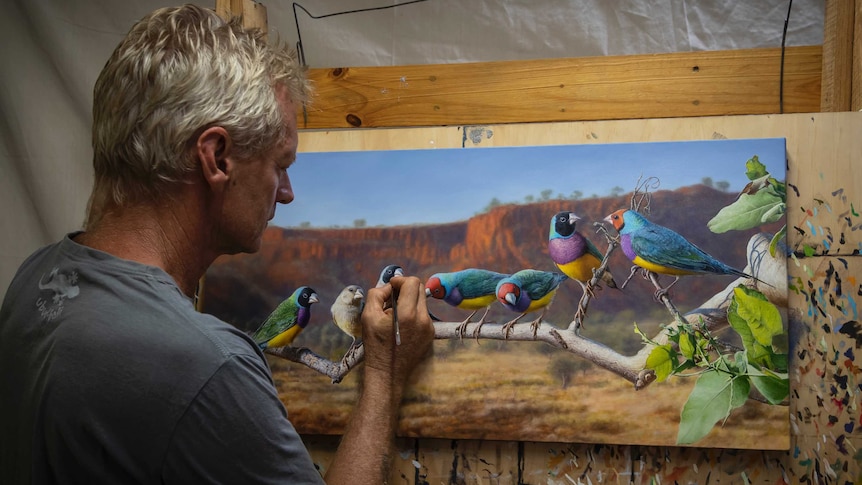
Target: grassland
[507, 391]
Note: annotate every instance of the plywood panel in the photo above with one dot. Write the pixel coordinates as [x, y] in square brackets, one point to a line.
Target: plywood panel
[598, 88]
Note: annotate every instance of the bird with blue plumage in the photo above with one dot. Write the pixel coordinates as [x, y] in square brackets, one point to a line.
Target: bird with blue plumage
[660, 250]
[467, 289]
[526, 291]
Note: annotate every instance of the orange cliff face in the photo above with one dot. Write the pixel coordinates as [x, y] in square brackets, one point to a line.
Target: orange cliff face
[507, 238]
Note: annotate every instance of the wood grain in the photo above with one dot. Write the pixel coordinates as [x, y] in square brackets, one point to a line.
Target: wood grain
[253, 14]
[596, 88]
[837, 71]
[856, 82]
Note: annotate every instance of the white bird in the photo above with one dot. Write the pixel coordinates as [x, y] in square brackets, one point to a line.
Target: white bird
[347, 314]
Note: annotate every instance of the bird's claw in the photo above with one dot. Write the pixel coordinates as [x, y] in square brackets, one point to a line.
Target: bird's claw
[511, 323]
[477, 331]
[661, 292]
[461, 329]
[580, 314]
[588, 289]
[535, 327]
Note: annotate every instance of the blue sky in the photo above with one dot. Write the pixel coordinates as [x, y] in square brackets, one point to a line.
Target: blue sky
[449, 184]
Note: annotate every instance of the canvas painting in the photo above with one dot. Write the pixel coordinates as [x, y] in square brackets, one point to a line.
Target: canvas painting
[634, 293]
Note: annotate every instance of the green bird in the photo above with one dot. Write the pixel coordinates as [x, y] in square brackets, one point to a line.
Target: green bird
[287, 320]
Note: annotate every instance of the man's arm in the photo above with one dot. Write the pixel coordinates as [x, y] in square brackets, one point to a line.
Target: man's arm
[365, 452]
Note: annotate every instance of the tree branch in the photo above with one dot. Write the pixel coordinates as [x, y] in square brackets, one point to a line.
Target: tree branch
[613, 243]
[713, 312]
[334, 370]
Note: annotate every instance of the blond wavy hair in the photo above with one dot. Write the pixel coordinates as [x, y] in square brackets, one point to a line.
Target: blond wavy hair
[178, 71]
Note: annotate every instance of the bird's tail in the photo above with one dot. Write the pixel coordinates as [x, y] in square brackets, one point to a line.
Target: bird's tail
[608, 278]
[743, 274]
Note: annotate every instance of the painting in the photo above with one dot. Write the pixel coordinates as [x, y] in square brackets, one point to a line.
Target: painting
[611, 359]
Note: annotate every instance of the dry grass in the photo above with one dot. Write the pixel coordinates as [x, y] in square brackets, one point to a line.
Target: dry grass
[505, 392]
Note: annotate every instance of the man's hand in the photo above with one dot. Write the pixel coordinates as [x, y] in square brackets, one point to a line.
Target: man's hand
[378, 329]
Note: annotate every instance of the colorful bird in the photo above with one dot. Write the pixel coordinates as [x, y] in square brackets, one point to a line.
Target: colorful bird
[660, 250]
[347, 314]
[389, 272]
[468, 289]
[527, 291]
[574, 254]
[287, 320]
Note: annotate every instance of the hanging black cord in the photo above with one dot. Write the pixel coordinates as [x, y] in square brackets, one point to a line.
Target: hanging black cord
[781, 75]
[296, 19]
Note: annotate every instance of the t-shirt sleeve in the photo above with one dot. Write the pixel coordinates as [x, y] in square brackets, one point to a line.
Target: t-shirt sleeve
[236, 431]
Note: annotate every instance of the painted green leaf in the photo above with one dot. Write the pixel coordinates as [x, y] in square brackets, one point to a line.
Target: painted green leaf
[757, 322]
[661, 360]
[774, 387]
[779, 362]
[773, 244]
[686, 345]
[754, 169]
[762, 316]
[714, 396]
[748, 211]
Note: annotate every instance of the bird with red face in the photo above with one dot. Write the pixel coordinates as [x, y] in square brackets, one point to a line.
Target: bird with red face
[661, 250]
[468, 289]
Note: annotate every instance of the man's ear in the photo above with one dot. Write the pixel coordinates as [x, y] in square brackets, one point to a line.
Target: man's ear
[213, 148]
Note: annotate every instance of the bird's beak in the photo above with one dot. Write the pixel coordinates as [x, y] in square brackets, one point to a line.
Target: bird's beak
[427, 292]
[573, 218]
[313, 298]
[608, 219]
[398, 272]
[358, 295]
[510, 297]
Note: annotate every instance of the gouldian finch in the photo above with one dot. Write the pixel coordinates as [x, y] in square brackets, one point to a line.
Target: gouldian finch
[347, 313]
[574, 254]
[468, 289]
[388, 273]
[527, 291]
[660, 250]
[287, 320]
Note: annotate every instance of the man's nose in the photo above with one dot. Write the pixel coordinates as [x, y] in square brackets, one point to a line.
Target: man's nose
[285, 191]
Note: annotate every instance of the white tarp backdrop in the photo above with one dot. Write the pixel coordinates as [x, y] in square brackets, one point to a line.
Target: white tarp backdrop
[52, 50]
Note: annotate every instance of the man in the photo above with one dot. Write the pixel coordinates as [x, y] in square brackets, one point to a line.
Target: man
[108, 373]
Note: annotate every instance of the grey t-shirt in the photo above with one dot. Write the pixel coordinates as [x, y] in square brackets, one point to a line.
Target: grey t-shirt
[109, 375]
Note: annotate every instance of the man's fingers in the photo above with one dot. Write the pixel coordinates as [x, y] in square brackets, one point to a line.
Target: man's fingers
[377, 298]
[408, 290]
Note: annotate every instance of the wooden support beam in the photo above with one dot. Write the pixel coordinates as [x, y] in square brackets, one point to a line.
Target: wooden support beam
[856, 82]
[253, 14]
[837, 71]
[578, 89]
